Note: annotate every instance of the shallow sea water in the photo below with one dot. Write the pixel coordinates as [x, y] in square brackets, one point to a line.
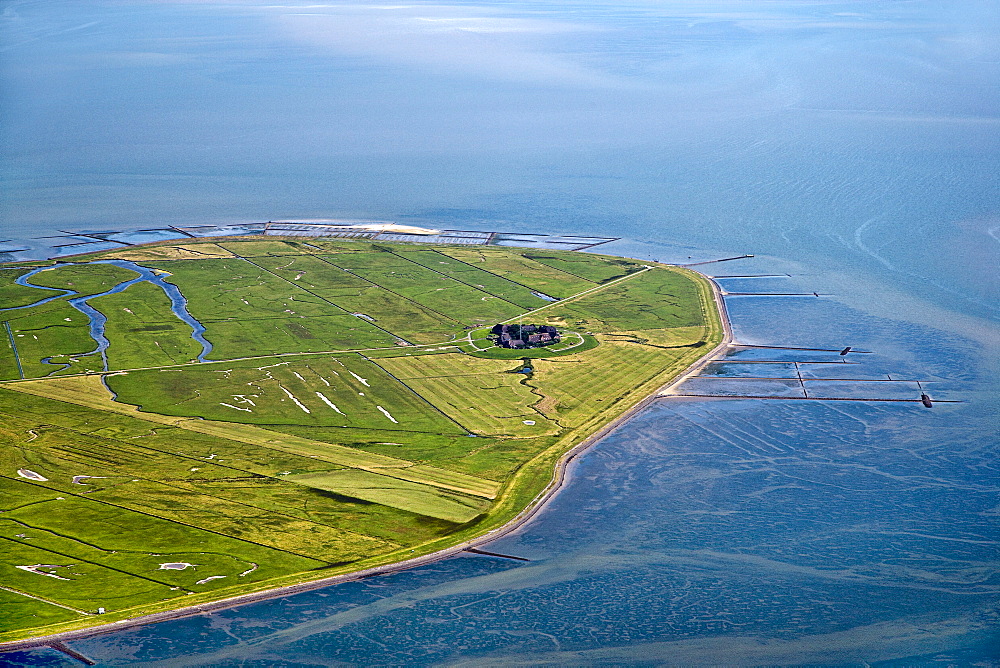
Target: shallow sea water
[851, 145]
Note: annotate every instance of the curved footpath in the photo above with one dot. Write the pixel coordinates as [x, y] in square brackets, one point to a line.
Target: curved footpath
[536, 505]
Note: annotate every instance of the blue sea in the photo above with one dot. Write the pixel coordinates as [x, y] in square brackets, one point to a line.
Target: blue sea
[852, 146]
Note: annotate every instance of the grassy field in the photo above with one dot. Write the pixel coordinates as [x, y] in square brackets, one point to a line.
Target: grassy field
[480, 394]
[356, 414]
[595, 268]
[510, 263]
[50, 338]
[438, 292]
[142, 329]
[13, 295]
[83, 279]
[393, 312]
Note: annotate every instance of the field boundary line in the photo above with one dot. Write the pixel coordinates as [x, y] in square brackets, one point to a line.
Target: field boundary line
[586, 292]
[43, 600]
[310, 292]
[528, 287]
[13, 346]
[526, 258]
[392, 292]
[474, 287]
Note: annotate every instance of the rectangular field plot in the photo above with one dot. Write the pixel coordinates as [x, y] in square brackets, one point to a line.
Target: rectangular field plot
[658, 299]
[469, 274]
[319, 390]
[395, 313]
[577, 387]
[665, 338]
[596, 268]
[143, 331]
[396, 493]
[476, 393]
[269, 336]
[442, 294]
[511, 263]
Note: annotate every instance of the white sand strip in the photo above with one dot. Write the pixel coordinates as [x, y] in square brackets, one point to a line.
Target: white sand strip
[31, 475]
[364, 381]
[296, 374]
[329, 403]
[296, 400]
[245, 410]
[209, 579]
[386, 413]
[250, 570]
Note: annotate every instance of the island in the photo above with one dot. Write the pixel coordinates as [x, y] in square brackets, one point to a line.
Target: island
[188, 425]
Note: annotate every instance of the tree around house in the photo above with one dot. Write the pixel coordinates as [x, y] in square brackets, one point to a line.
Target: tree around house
[524, 336]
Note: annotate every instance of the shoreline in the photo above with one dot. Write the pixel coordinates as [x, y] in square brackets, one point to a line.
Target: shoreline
[559, 479]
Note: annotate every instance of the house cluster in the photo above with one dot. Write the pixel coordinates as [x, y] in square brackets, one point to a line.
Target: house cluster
[525, 336]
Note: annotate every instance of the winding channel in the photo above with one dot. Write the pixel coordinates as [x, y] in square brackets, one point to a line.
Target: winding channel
[98, 321]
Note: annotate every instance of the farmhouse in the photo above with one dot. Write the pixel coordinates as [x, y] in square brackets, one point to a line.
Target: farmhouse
[524, 336]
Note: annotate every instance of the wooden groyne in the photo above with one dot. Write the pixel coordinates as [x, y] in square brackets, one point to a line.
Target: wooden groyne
[724, 259]
[755, 276]
[772, 294]
[840, 351]
[725, 361]
[923, 401]
[495, 554]
[72, 653]
[841, 380]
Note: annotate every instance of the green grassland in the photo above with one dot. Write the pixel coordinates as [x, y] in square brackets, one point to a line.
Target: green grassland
[83, 279]
[50, 339]
[354, 414]
[12, 294]
[144, 330]
[392, 311]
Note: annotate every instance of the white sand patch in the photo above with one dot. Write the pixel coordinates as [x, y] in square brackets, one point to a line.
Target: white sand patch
[31, 475]
[245, 410]
[245, 302]
[325, 381]
[175, 566]
[363, 381]
[270, 366]
[295, 399]
[209, 579]
[250, 570]
[329, 403]
[386, 413]
[78, 478]
[34, 569]
[244, 399]
[296, 374]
